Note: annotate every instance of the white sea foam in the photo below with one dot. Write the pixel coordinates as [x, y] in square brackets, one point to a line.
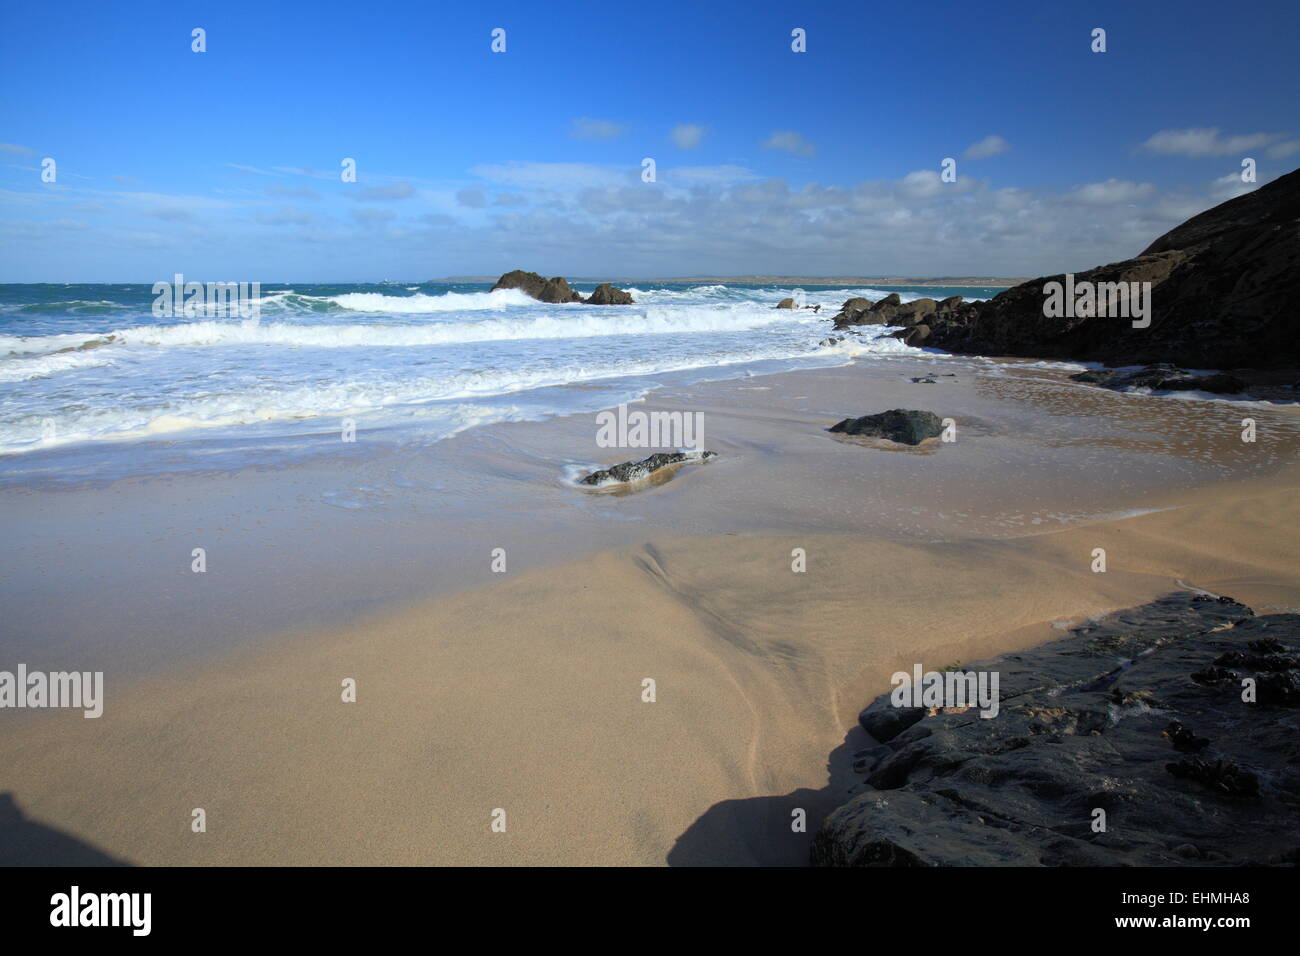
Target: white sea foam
[421, 303]
[41, 366]
[423, 366]
[582, 323]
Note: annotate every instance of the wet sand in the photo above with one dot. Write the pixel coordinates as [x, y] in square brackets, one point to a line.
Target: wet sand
[523, 690]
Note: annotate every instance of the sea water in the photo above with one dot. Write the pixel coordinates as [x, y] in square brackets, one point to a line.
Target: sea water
[93, 384]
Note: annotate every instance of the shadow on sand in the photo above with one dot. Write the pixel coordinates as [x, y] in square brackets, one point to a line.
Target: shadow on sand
[24, 842]
[757, 831]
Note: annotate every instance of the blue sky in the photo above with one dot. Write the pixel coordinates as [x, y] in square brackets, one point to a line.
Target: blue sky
[225, 164]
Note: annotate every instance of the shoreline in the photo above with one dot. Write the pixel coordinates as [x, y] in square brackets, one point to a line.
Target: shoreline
[523, 690]
[337, 536]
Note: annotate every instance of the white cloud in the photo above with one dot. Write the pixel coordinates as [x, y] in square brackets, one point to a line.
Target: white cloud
[251, 169]
[1230, 186]
[603, 219]
[305, 171]
[471, 198]
[587, 128]
[1114, 191]
[372, 217]
[687, 135]
[1282, 150]
[1204, 141]
[990, 145]
[554, 175]
[707, 175]
[922, 182]
[15, 149]
[296, 192]
[285, 216]
[790, 141]
[382, 193]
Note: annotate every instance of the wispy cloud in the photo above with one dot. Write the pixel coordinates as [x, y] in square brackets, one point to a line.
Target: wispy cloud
[471, 198]
[588, 128]
[292, 192]
[373, 217]
[1204, 141]
[305, 171]
[790, 141]
[1113, 191]
[15, 149]
[687, 135]
[286, 216]
[385, 193]
[251, 169]
[531, 175]
[707, 175]
[1230, 186]
[990, 145]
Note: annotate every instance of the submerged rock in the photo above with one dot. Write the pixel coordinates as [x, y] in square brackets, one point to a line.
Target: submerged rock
[636, 470]
[906, 426]
[1087, 723]
[87, 345]
[1162, 377]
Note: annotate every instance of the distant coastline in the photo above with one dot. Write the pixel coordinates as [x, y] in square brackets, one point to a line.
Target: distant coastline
[941, 281]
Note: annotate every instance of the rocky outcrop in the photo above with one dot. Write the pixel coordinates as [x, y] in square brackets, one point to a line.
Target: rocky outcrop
[1126, 743]
[1162, 378]
[557, 289]
[891, 310]
[543, 290]
[636, 470]
[1224, 288]
[606, 294]
[905, 426]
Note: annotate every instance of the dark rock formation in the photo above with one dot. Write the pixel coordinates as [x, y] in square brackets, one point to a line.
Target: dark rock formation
[636, 470]
[909, 427]
[1224, 287]
[891, 310]
[785, 304]
[543, 290]
[1164, 378]
[917, 335]
[557, 289]
[885, 721]
[606, 294]
[1098, 720]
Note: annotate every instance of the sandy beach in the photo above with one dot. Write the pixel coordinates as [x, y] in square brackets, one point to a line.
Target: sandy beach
[523, 691]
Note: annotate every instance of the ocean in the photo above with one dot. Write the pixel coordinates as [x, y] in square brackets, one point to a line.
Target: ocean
[94, 385]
